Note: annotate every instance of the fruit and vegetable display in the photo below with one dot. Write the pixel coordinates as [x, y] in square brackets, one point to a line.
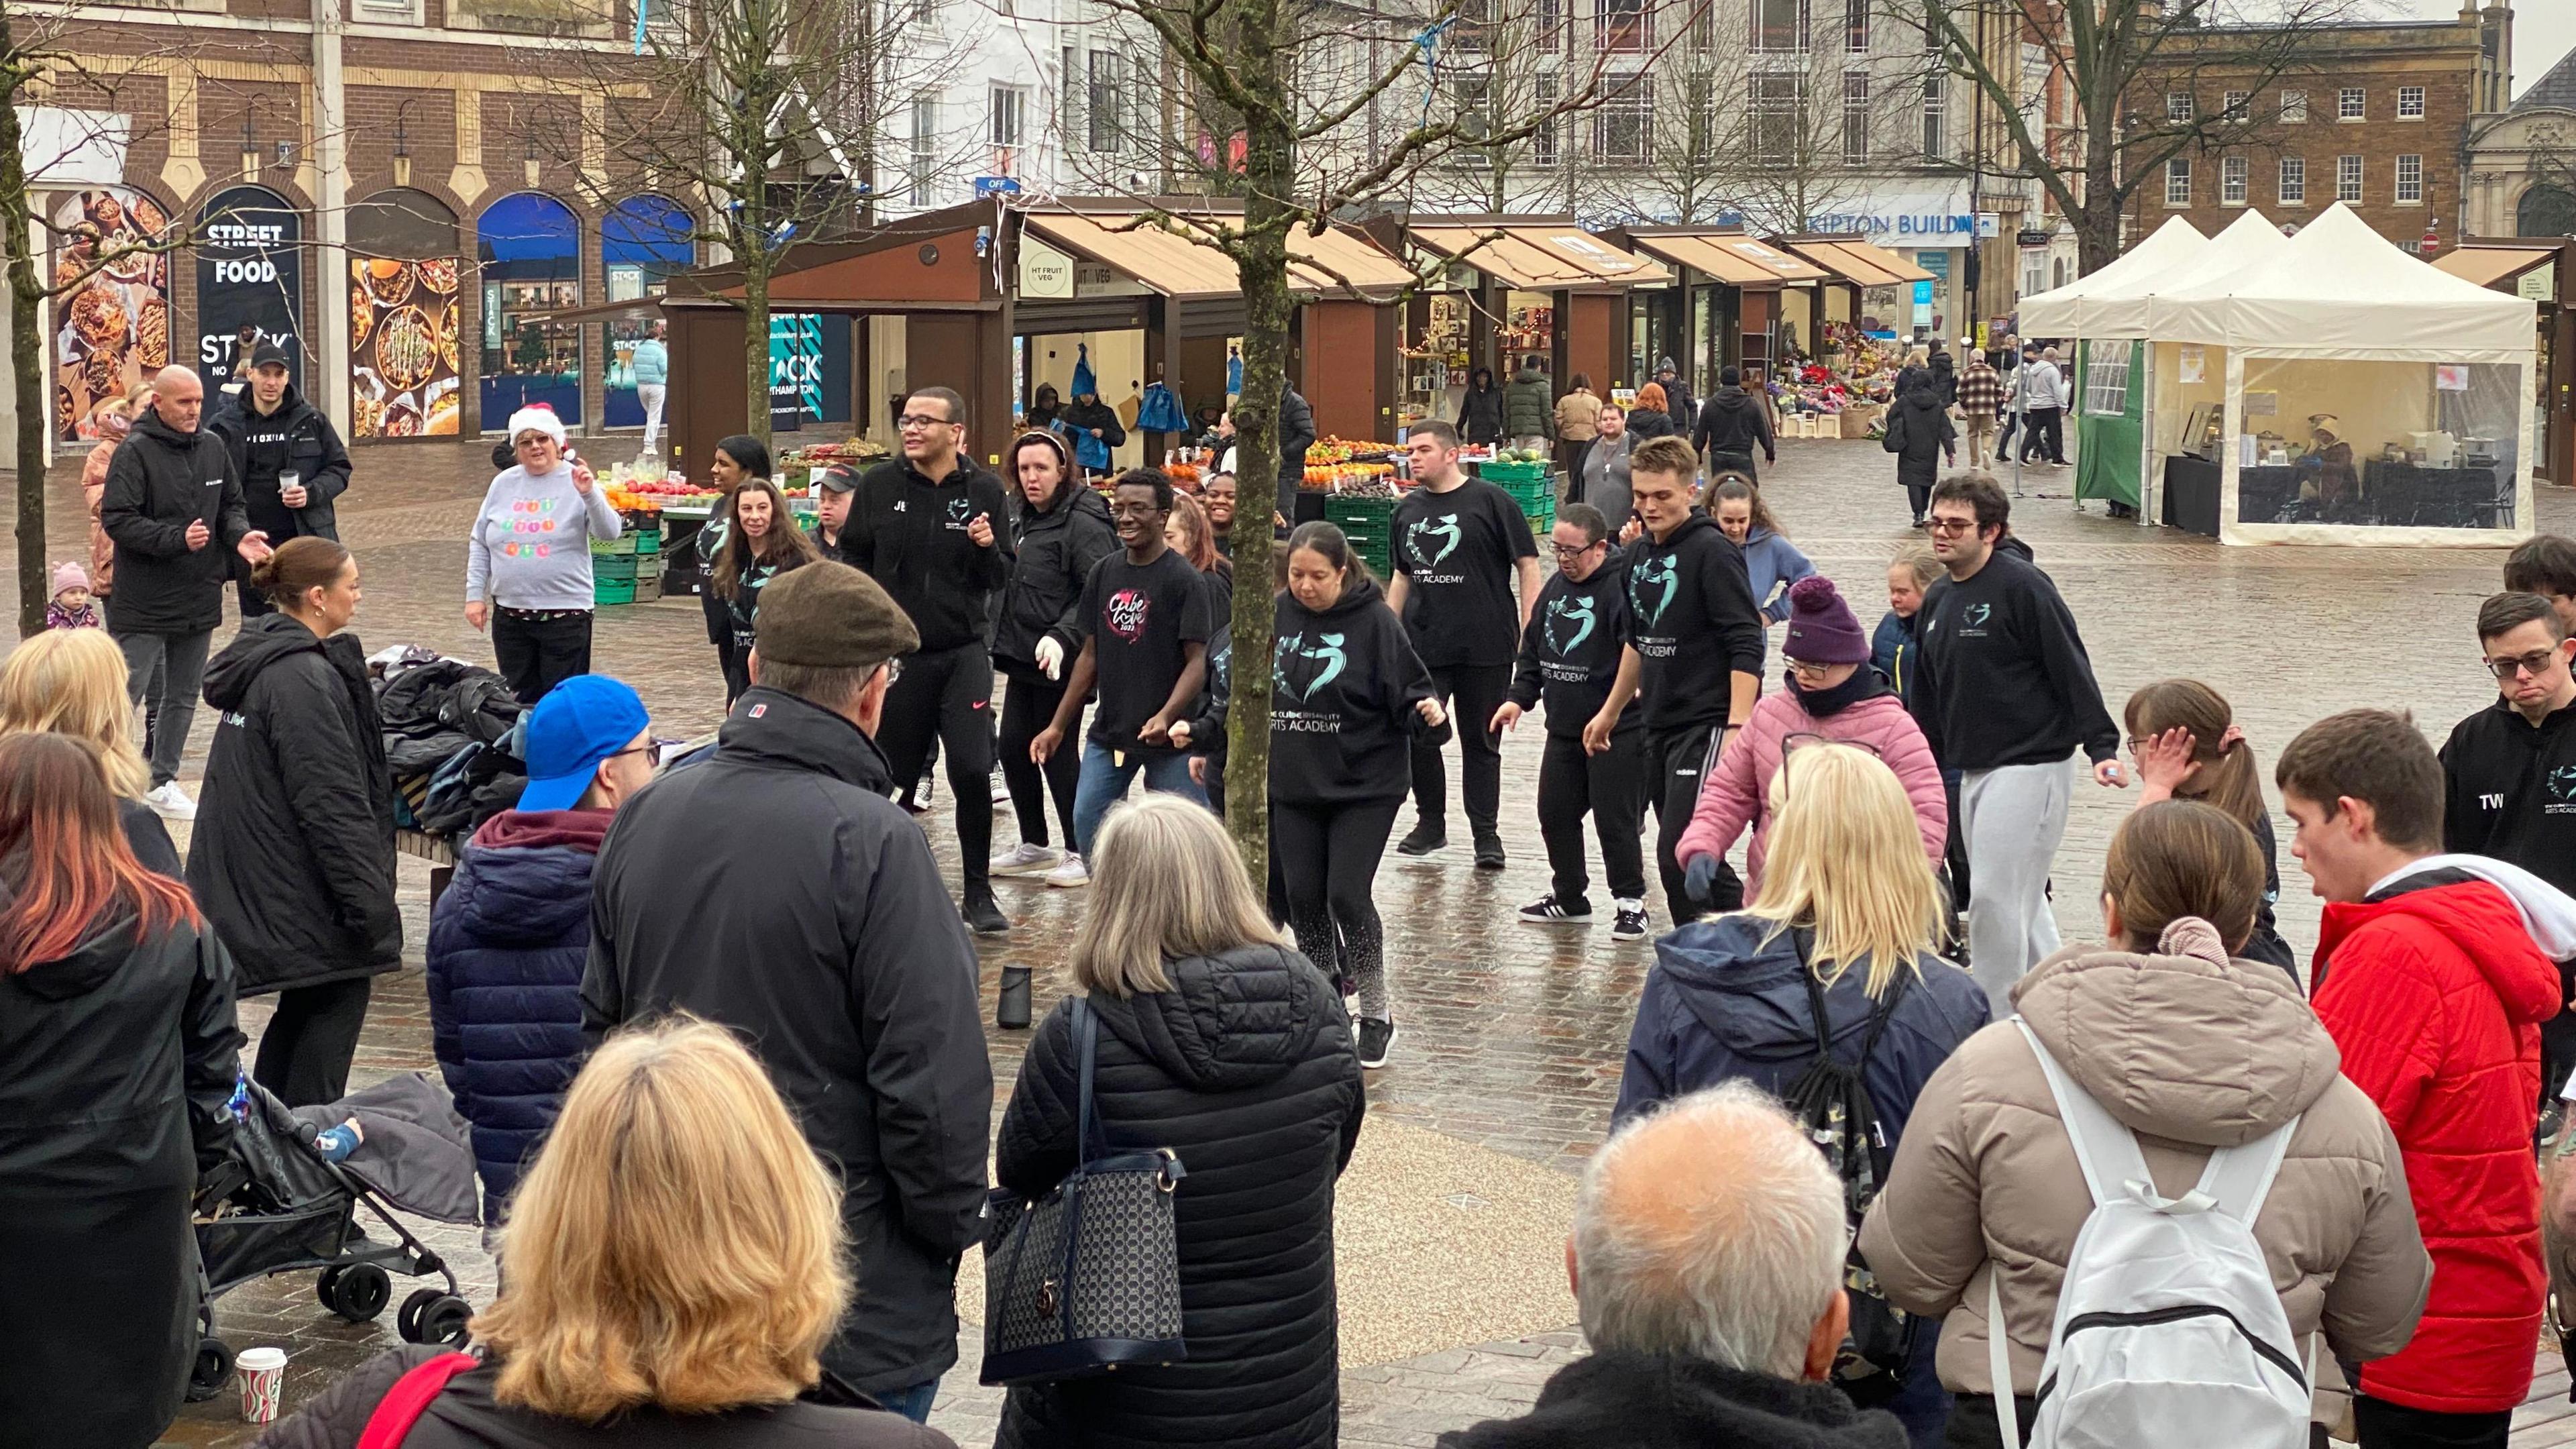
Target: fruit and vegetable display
[673, 491]
[1338, 465]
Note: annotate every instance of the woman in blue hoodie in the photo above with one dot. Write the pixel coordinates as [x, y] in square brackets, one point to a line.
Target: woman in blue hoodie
[508, 940]
[1771, 561]
[1843, 927]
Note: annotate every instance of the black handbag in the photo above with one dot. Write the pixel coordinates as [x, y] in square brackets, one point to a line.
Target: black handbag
[1088, 1277]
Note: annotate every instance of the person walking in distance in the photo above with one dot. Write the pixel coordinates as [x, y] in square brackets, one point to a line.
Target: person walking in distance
[833, 489]
[1694, 655]
[1348, 699]
[2433, 975]
[1529, 410]
[1458, 542]
[651, 362]
[527, 559]
[1981, 401]
[1062, 532]
[290, 459]
[1919, 433]
[1145, 624]
[928, 528]
[2005, 694]
[173, 508]
[1604, 478]
[1570, 655]
[1578, 422]
[2047, 385]
[1203, 731]
[1731, 425]
[2509, 776]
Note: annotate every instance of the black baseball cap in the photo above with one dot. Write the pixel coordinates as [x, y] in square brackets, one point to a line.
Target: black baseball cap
[267, 354]
[838, 478]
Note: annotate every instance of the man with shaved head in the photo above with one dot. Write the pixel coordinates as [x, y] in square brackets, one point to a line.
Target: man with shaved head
[1707, 1262]
[173, 510]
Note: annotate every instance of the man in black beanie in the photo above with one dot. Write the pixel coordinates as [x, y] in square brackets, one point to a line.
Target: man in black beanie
[775, 888]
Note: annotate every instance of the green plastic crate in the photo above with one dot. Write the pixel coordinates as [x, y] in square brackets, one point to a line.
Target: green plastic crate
[613, 591]
[620, 567]
[648, 541]
[1498, 471]
[622, 544]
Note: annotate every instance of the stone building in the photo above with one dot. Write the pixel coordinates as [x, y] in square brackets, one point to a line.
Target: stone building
[2522, 161]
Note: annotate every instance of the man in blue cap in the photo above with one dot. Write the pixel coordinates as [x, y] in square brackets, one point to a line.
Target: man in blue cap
[509, 938]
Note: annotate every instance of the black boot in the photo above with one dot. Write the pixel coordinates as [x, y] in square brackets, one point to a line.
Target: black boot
[983, 916]
[1011, 1011]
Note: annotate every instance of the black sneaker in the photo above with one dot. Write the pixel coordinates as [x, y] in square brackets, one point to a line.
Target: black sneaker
[1630, 925]
[983, 916]
[1547, 911]
[1427, 836]
[1375, 1038]
[1489, 850]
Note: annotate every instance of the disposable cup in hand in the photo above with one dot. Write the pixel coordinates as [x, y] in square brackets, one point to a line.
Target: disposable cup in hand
[262, 1371]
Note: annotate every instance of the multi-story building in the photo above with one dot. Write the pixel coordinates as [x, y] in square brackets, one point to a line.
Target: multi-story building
[2522, 161]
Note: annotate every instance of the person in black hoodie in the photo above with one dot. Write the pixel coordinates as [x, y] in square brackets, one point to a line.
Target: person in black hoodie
[1919, 433]
[272, 431]
[929, 528]
[1679, 405]
[117, 1054]
[784, 849]
[1213, 1039]
[1045, 406]
[1570, 656]
[1348, 699]
[1061, 534]
[1097, 421]
[1731, 425]
[1296, 435]
[293, 855]
[1695, 657]
[1480, 412]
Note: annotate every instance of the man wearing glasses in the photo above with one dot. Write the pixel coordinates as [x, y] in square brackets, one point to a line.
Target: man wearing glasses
[2005, 693]
[1570, 654]
[928, 528]
[2509, 775]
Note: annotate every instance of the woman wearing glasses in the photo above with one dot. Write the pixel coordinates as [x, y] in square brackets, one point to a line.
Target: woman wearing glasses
[1833, 695]
[508, 939]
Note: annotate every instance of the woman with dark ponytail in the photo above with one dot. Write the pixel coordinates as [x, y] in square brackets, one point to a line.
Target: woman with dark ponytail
[292, 859]
[2189, 748]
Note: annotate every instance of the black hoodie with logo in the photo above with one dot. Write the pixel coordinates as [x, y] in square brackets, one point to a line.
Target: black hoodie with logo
[2510, 790]
[909, 534]
[1571, 650]
[1691, 604]
[1344, 687]
[295, 437]
[2000, 673]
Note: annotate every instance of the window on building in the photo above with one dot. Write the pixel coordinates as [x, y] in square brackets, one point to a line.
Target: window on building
[1936, 131]
[1544, 144]
[2178, 106]
[1625, 119]
[2347, 178]
[2294, 180]
[1622, 26]
[1470, 26]
[2106, 379]
[2410, 103]
[2233, 173]
[2234, 109]
[1551, 25]
[1780, 24]
[1855, 117]
[1855, 25]
[2178, 181]
[2410, 179]
[1471, 100]
[1009, 105]
[2294, 108]
[1107, 86]
[925, 146]
[1778, 103]
[2351, 103]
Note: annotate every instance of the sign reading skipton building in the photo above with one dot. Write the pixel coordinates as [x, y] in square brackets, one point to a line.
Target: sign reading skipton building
[1904, 219]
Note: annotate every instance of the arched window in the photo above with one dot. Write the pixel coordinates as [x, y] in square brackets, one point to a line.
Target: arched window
[529, 248]
[643, 240]
[2546, 210]
[403, 318]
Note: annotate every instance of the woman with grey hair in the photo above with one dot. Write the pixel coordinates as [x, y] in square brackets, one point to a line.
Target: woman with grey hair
[1604, 483]
[1219, 1041]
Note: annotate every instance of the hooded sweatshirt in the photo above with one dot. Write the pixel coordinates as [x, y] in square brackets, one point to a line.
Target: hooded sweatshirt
[530, 544]
[2191, 1052]
[2001, 676]
[1571, 650]
[909, 534]
[1731, 422]
[1771, 565]
[1697, 623]
[296, 437]
[1344, 684]
[1662, 1401]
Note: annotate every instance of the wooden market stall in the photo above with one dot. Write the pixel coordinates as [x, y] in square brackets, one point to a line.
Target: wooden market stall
[1726, 295]
[1516, 286]
[2540, 270]
[1858, 270]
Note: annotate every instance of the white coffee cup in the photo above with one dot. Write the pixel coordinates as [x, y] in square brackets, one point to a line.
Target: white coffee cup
[262, 1372]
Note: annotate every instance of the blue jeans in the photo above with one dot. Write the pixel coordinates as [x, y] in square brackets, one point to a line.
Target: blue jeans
[1105, 780]
[913, 1403]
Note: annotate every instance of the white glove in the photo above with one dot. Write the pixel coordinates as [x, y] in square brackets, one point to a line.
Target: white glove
[1050, 653]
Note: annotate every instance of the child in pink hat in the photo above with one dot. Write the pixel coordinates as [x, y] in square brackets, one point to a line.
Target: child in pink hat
[72, 606]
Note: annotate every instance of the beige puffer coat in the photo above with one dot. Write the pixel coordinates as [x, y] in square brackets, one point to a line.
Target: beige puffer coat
[2192, 1052]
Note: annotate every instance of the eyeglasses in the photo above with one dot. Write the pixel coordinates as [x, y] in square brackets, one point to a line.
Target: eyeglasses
[1577, 551]
[1805, 670]
[1954, 525]
[651, 750]
[2534, 664]
[923, 420]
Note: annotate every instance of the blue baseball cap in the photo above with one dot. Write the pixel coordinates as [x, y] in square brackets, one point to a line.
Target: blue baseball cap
[579, 723]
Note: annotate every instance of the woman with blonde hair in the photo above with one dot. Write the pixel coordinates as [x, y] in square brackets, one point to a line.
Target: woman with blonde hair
[1215, 1039]
[72, 682]
[675, 1267]
[1836, 948]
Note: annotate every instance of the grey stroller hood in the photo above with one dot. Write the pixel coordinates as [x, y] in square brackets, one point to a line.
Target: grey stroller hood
[415, 1154]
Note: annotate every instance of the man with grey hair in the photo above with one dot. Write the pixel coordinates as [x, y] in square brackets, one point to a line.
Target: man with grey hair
[1707, 1261]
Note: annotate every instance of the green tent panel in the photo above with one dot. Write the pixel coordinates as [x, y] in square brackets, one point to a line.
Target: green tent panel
[2109, 442]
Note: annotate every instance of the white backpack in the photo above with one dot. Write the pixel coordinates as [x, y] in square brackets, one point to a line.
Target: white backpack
[2168, 1328]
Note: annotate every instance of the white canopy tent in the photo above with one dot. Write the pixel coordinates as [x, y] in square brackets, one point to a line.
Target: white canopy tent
[2068, 311]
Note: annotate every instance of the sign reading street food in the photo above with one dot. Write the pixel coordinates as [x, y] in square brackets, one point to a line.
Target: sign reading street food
[250, 273]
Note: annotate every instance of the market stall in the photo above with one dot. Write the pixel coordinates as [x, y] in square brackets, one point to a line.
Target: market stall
[1729, 284]
[1517, 286]
[2543, 271]
[2105, 312]
[1869, 286]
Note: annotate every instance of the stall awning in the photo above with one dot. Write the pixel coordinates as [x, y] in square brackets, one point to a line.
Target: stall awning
[1730, 257]
[2492, 266]
[1336, 264]
[1857, 261]
[1542, 258]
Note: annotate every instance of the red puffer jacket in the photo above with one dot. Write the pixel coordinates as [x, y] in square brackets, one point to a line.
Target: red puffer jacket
[2436, 995]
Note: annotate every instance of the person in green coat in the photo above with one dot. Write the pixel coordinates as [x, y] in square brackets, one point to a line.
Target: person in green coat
[1529, 406]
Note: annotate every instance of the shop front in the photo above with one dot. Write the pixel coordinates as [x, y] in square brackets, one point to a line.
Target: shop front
[529, 248]
[250, 274]
[1733, 287]
[643, 241]
[1514, 288]
[2541, 270]
[1932, 229]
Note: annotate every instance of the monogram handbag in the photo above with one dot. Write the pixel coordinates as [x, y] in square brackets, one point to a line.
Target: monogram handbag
[1086, 1278]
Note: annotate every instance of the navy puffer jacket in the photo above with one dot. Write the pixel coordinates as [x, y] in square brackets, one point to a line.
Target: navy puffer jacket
[507, 944]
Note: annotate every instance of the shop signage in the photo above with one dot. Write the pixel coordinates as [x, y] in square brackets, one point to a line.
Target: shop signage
[1990, 224]
[2030, 237]
[115, 330]
[795, 369]
[996, 186]
[250, 271]
[1902, 219]
[2540, 284]
[1923, 294]
[1045, 273]
[1099, 279]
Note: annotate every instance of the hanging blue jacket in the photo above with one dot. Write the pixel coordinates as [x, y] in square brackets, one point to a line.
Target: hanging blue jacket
[507, 944]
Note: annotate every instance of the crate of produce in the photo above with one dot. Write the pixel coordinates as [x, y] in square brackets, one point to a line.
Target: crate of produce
[1363, 512]
[623, 545]
[1501, 470]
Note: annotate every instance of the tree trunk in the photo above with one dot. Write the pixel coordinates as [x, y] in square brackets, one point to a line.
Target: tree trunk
[2097, 228]
[755, 337]
[26, 362]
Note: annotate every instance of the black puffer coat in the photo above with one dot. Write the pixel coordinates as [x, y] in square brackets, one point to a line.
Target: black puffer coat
[292, 858]
[159, 481]
[1920, 434]
[1052, 553]
[1245, 1070]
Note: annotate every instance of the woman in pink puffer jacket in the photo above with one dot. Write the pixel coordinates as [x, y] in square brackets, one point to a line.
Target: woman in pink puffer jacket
[1833, 694]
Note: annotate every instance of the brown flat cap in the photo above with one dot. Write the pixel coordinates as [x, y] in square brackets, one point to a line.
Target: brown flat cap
[828, 615]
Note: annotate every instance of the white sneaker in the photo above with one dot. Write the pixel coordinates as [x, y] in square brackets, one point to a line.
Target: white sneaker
[1025, 859]
[171, 803]
[1001, 787]
[1069, 873]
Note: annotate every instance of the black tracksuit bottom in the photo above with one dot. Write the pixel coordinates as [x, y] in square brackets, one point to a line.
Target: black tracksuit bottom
[537, 649]
[1471, 693]
[312, 1037]
[1328, 857]
[1611, 787]
[946, 696]
[1028, 707]
[1677, 763]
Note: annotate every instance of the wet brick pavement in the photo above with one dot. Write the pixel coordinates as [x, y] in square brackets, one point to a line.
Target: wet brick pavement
[1513, 1035]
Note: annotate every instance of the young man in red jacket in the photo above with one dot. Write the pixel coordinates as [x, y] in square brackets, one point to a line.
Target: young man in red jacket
[2429, 981]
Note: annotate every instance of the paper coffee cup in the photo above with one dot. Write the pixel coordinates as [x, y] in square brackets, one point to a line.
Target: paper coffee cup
[262, 1370]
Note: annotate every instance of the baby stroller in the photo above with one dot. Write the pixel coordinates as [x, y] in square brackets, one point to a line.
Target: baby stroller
[275, 1205]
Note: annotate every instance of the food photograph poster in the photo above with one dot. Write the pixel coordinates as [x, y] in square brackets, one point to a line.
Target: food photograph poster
[402, 345]
[114, 331]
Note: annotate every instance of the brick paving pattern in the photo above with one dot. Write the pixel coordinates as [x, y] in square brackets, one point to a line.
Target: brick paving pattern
[1513, 1035]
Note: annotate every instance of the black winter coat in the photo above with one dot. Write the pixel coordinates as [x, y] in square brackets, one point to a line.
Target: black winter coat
[1480, 416]
[1083, 417]
[1296, 432]
[115, 1063]
[1731, 422]
[464, 1416]
[159, 481]
[296, 437]
[1245, 1071]
[1646, 422]
[784, 852]
[1920, 434]
[1628, 1400]
[1053, 551]
[292, 858]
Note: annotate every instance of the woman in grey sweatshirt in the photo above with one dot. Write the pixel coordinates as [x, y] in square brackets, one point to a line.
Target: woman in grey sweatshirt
[527, 558]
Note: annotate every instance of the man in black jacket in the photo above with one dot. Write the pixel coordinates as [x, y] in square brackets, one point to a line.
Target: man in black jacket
[930, 527]
[1296, 434]
[173, 508]
[273, 435]
[1730, 426]
[776, 889]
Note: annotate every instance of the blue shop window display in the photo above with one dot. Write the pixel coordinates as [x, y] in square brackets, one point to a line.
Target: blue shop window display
[643, 240]
[530, 250]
